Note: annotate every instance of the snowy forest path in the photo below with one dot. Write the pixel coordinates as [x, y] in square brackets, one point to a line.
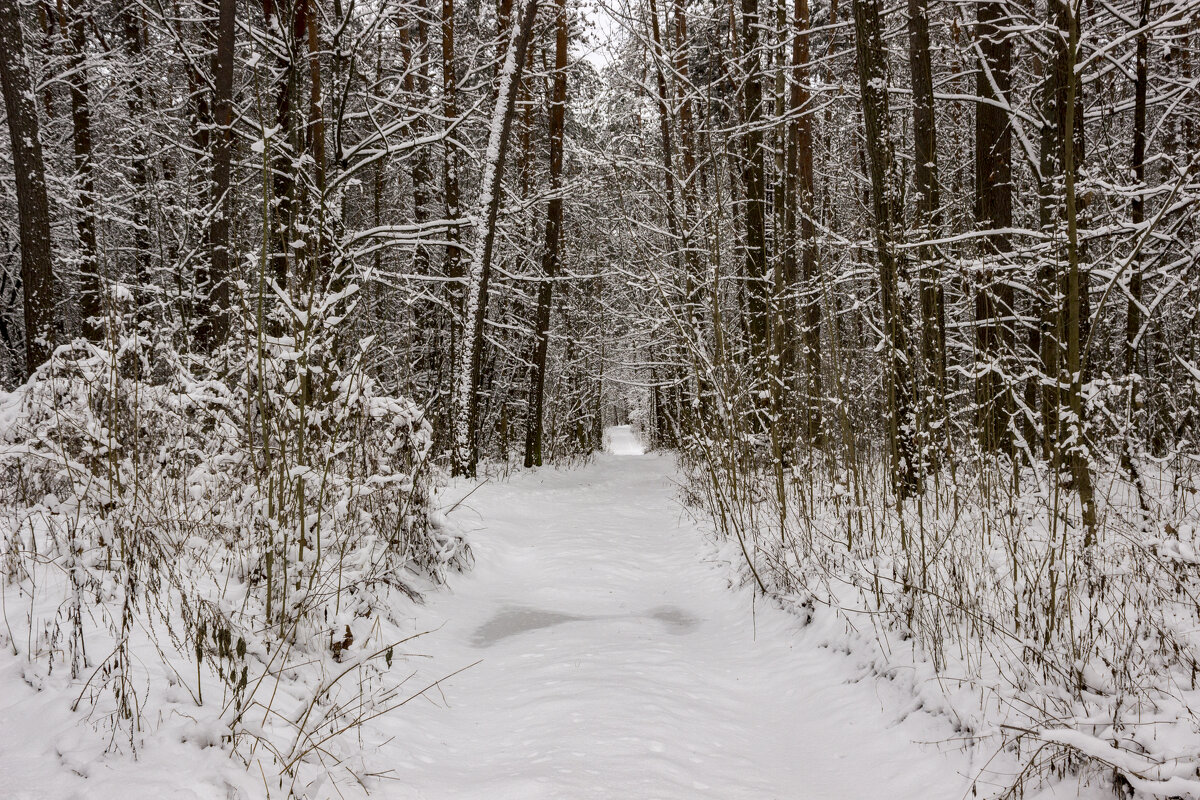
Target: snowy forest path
[614, 662]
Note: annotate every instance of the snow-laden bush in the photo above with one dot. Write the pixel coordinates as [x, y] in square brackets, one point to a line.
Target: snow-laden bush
[245, 528]
[983, 596]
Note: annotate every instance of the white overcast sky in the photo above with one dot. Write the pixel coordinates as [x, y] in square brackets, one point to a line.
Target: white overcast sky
[601, 33]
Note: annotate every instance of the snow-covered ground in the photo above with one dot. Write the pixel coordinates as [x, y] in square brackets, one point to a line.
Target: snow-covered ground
[620, 440]
[610, 660]
[597, 650]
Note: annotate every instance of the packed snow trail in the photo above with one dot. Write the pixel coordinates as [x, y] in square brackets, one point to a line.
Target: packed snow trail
[614, 662]
[621, 441]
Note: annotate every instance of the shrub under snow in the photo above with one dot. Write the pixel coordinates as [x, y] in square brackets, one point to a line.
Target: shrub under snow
[983, 596]
[228, 544]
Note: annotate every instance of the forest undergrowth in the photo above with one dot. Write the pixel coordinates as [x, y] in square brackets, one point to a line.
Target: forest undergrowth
[982, 597]
[215, 549]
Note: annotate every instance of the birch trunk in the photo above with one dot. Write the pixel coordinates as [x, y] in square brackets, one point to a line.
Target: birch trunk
[466, 454]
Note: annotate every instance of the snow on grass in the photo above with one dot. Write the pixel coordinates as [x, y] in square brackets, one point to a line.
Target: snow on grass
[199, 568]
[984, 604]
[602, 647]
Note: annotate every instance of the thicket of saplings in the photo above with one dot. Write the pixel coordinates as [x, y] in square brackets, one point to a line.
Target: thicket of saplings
[1072, 646]
[235, 526]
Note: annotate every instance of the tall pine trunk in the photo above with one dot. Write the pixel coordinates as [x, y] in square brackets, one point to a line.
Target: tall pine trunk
[131, 30]
[285, 147]
[1137, 205]
[1081, 472]
[873, 85]
[801, 180]
[664, 127]
[993, 214]
[552, 252]
[754, 203]
[90, 302]
[452, 262]
[925, 181]
[33, 207]
[214, 283]
[320, 260]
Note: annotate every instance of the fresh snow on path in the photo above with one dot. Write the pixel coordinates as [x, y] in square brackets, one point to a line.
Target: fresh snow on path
[615, 661]
[606, 656]
[620, 440]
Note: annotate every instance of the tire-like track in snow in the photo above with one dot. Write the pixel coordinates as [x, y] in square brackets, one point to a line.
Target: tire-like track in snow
[615, 662]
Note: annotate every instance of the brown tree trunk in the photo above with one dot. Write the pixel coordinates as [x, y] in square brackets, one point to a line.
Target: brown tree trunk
[414, 37]
[552, 254]
[664, 124]
[214, 284]
[91, 310]
[687, 134]
[873, 85]
[687, 151]
[452, 264]
[1047, 339]
[682, 254]
[46, 23]
[925, 180]
[801, 178]
[1081, 471]
[993, 212]
[320, 259]
[418, 86]
[754, 185]
[1137, 206]
[33, 207]
[131, 29]
[283, 202]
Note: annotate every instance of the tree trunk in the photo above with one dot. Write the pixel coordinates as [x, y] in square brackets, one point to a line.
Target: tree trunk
[419, 87]
[1047, 339]
[754, 185]
[282, 183]
[687, 136]
[873, 85]
[664, 125]
[1080, 468]
[320, 259]
[552, 254]
[414, 37]
[452, 263]
[925, 180]
[131, 29]
[90, 306]
[33, 207]
[993, 212]
[801, 179]
[1137, 206]
[214, 284]
[466, 455]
